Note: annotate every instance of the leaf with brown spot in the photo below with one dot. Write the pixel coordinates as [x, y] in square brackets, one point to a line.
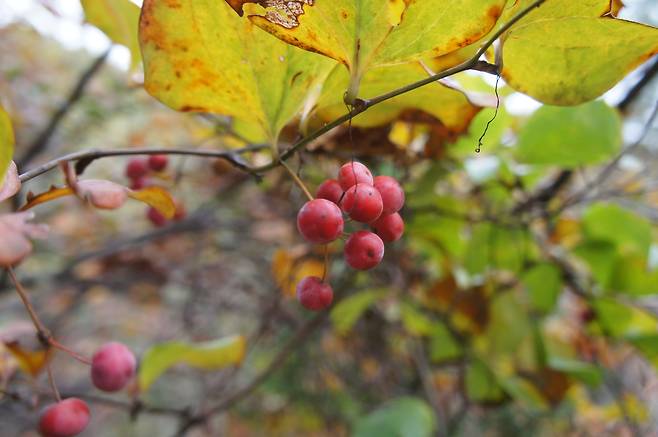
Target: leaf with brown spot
[362, 34]
[200, 56]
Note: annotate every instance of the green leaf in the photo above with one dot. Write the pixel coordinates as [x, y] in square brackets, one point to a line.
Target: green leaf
[200, 56]
[601, 257]
[647, 344]
[414, 321]
[630, 232]
[569, 137]
[362, 34]
[492, 246]
[481, 383]
[631, 274]
[212, 355]
[405, 416]
[443, 346]
[585, 372]
[524, 392]
[348, 311]
[573, 59]
[6, 143]
[620, 320]
[119, 20]
[543, 283]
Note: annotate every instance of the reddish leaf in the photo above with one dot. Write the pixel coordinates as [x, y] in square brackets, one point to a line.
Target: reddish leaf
[15, 234]
[11, 183]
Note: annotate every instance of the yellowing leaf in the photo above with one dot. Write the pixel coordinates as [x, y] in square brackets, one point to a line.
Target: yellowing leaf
[212, 355]
[158, 198]
[571, 60]
[452, 108]
[30, 362]
[6, 143]
[362, 34]
[119, 20]
[200, 56]
[52, 194]
[288, 270]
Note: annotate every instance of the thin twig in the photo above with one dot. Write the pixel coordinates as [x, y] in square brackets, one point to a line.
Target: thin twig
[51, 382]
[42, 332]
[297, 180]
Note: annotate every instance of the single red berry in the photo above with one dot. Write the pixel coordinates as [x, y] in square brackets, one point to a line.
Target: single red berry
[155, 217]
[136, 168]
[158, 162]
[320, 221]
[138, 184]
[362, 203]
[330, 190]
[314, 294]
[389, 227]
[363, 250]
[354, 173]
[112, 367]
[392, 194]
[64, 419]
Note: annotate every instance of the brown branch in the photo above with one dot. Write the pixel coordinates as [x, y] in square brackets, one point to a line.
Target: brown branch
[40, 143]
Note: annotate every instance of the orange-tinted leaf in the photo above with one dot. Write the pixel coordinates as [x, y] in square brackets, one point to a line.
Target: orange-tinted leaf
[30, 362]
[52, 194]
[158, 198]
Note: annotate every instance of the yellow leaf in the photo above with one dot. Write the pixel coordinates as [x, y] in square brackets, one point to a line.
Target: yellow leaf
[288, 270]
[212, 355]
[30, 362]
[158, 198]
[52, 194]
[118, 19]
[200, 56]
[6, 143]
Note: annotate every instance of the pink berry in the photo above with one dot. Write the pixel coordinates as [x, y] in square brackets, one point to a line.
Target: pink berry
[362, 203]
[389, 227]
[136, 168]
[155, 217]
[364, 250]
[330, 190]
[112, 366]
[392, 194]
[320, 221]
[64, 419]
[354, 173]
[314, 294]
[158, 162]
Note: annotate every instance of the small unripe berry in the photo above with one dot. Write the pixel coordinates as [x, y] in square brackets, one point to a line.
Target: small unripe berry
[330, 190]
[354, 173]
[158, 162]
[363, 250]
[66, 418]
[391, 192]
[136, 168]
[320, 221]
[389, 227]
[155, 217]
[362, 203]
[112, 367]
[314, 294]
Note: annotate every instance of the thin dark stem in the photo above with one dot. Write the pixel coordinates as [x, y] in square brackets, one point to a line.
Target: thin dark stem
[297, 180]
[51, 382]
[42, 332]
[40, 143]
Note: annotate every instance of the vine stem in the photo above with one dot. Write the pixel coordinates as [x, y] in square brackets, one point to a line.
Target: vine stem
[44, 335]
[297, 180]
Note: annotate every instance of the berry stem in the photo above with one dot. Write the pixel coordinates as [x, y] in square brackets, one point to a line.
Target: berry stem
[297, 180]
[51, 381]
[57, 345]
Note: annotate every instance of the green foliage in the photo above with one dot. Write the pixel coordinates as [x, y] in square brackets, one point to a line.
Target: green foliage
[543, 284]
[400, 417]
[212, 355]
[347, 312]
[630, 233]
[569, 137]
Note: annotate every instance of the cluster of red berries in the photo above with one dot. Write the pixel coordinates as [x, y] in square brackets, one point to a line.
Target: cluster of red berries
[138, 171]
[365, 199]
[112, 367]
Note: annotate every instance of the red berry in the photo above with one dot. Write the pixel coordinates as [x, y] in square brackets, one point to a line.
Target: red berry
[314, 294]
[156, 218]
[320, 221]
[364, 250]
[362, 203]
[138, 184]
[180, 213]
[64, 419]
[136, 168]
[112, 366]
[330, 190]
[392, 194]
[389, 227]
[158, 162]
[354, 173]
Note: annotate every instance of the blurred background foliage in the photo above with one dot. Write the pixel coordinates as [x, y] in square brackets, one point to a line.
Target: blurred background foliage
[521, 300]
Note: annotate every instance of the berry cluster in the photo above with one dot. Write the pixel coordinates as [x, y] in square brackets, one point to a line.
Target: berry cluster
[363, 198]
[139, 171]
[112, 367]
